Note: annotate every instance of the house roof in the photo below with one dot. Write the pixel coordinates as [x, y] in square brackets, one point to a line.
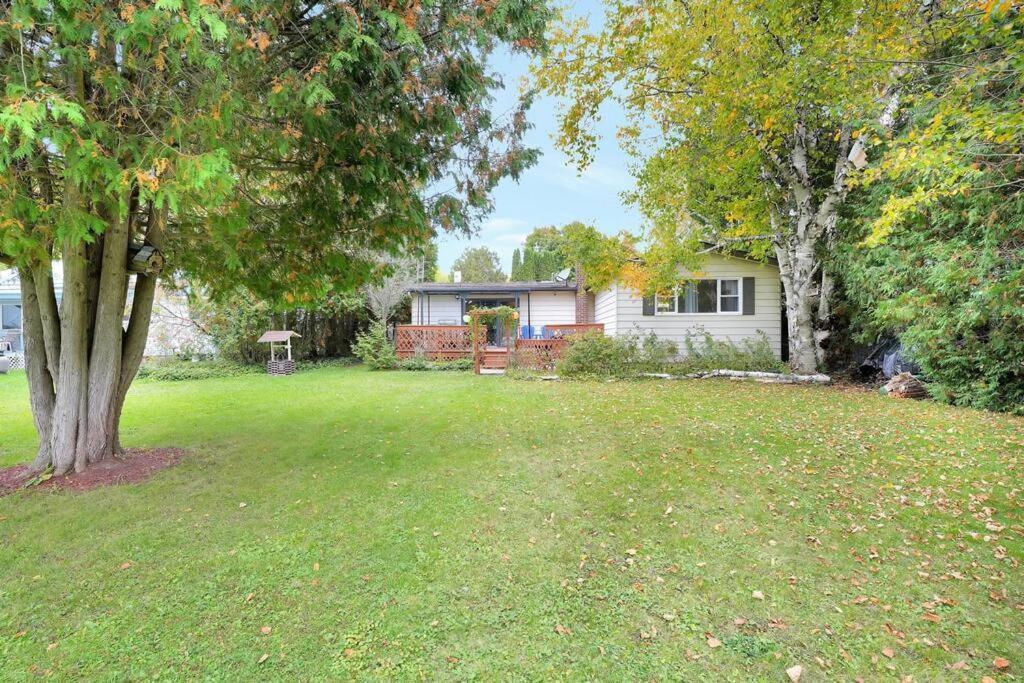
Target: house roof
[489, 287]
[10, 286]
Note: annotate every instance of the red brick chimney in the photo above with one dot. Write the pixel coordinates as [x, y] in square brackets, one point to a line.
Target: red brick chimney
[582, 309]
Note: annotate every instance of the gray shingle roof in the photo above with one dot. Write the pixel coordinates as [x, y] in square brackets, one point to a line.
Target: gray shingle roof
[462, 287]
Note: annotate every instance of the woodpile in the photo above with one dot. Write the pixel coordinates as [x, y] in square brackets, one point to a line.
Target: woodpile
[905, 385]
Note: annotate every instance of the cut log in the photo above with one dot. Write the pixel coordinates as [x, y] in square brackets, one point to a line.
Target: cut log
[779, 377]
[905, 385]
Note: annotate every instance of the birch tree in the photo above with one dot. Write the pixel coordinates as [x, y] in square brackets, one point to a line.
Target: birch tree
[746, 119]
[243, 143]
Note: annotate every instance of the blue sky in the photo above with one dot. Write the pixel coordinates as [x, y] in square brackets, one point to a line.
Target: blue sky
[551, 192]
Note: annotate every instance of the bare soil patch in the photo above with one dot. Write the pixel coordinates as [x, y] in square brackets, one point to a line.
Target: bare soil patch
[136, 465]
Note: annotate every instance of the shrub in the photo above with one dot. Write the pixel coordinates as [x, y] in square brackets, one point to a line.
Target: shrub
[419, 363]
[596, 355]
[704, 353]
[374, 348]
[179, 370]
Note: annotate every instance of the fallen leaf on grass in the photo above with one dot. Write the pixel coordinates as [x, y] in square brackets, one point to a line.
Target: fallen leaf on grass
[889, 652]
[264, 657]
[52, 646]
[240, 506]
[1001, 663]
[562, 630]
[126, 565]
[932, 617]
[757, 595]
[265, 630]
[794, 673]
[959, 666]
[713, 642]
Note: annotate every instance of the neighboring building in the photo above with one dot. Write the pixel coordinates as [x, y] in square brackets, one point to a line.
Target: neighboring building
[731, 298]
[171, 329]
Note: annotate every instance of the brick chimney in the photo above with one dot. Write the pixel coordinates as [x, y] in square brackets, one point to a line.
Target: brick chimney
[582, 309]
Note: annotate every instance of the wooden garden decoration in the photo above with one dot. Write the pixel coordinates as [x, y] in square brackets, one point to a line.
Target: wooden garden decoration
[478, 319]
[282, 366]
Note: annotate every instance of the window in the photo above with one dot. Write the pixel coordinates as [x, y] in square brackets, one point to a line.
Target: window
[729, 296]
[10, 317]
[701, 296]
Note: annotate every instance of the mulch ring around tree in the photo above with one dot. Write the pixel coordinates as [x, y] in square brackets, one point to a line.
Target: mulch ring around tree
[134, 466]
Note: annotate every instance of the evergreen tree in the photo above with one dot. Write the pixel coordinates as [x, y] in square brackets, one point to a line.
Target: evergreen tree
[277, 146]
[517, 266]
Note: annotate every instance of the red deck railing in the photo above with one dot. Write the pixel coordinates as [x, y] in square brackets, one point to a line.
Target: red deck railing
[436, 342]
[450, 342]
[577, 328]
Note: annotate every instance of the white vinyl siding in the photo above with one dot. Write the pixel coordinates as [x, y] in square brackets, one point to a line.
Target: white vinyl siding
[548, 308]
[732, 327]
[604, 308]
[432, 309]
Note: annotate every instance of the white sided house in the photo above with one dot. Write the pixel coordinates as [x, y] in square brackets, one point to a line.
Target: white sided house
[731, 298]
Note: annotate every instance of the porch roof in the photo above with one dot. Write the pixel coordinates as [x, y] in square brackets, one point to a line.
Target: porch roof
[491, 287]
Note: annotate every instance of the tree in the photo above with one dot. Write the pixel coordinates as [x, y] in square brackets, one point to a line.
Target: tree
[259, 144]
[757, 109]
[938, 254]
[517, 266]
[390, 288]
[479, 264]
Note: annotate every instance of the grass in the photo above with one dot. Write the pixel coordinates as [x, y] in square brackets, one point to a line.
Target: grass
[408, 525]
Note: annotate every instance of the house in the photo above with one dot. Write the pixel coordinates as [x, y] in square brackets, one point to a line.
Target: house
[731, 298]
[171, 330]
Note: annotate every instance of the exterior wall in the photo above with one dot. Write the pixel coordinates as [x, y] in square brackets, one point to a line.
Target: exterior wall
[548, 308]
[732, 327]
[605, 309]
[432, 309]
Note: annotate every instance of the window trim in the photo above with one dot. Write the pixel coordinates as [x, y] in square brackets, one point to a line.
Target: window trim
[718, 298]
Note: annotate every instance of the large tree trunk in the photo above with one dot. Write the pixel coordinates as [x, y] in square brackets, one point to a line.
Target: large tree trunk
[802, 230]
[80, 360]
[797, 267]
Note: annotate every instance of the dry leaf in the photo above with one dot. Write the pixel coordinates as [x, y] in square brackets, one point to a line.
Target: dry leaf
[264, 657]
[265, 630]
[714, 642]
[126, 565]
[1001, 663]
[889, 652]
[794, 673]
[242, 505]
[757, 595]
[959, 666]
[562, 630]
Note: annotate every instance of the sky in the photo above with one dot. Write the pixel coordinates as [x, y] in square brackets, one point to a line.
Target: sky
[551, 192]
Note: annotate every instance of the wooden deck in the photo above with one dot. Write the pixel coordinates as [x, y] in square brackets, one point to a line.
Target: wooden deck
[451, 342]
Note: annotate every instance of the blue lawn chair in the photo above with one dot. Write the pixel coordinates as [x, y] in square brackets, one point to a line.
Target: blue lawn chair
[526, 332]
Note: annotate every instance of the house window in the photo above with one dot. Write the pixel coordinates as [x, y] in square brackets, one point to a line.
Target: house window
[701, 296]
[10, 317]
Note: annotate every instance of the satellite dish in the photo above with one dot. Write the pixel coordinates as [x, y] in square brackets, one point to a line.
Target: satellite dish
[562, 275]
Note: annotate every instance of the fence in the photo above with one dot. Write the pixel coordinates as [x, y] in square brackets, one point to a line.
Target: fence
[436, 342]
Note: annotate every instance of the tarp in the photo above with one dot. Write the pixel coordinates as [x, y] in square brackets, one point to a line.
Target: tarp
[889, 358]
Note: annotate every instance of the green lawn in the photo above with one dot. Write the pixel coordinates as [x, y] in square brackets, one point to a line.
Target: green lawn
[442, 525]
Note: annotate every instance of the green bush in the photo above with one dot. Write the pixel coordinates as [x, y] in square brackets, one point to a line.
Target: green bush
[704, 353]
[596, 355]
[374, 348]
[419, 363]
[181, 370]
[315, 363]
